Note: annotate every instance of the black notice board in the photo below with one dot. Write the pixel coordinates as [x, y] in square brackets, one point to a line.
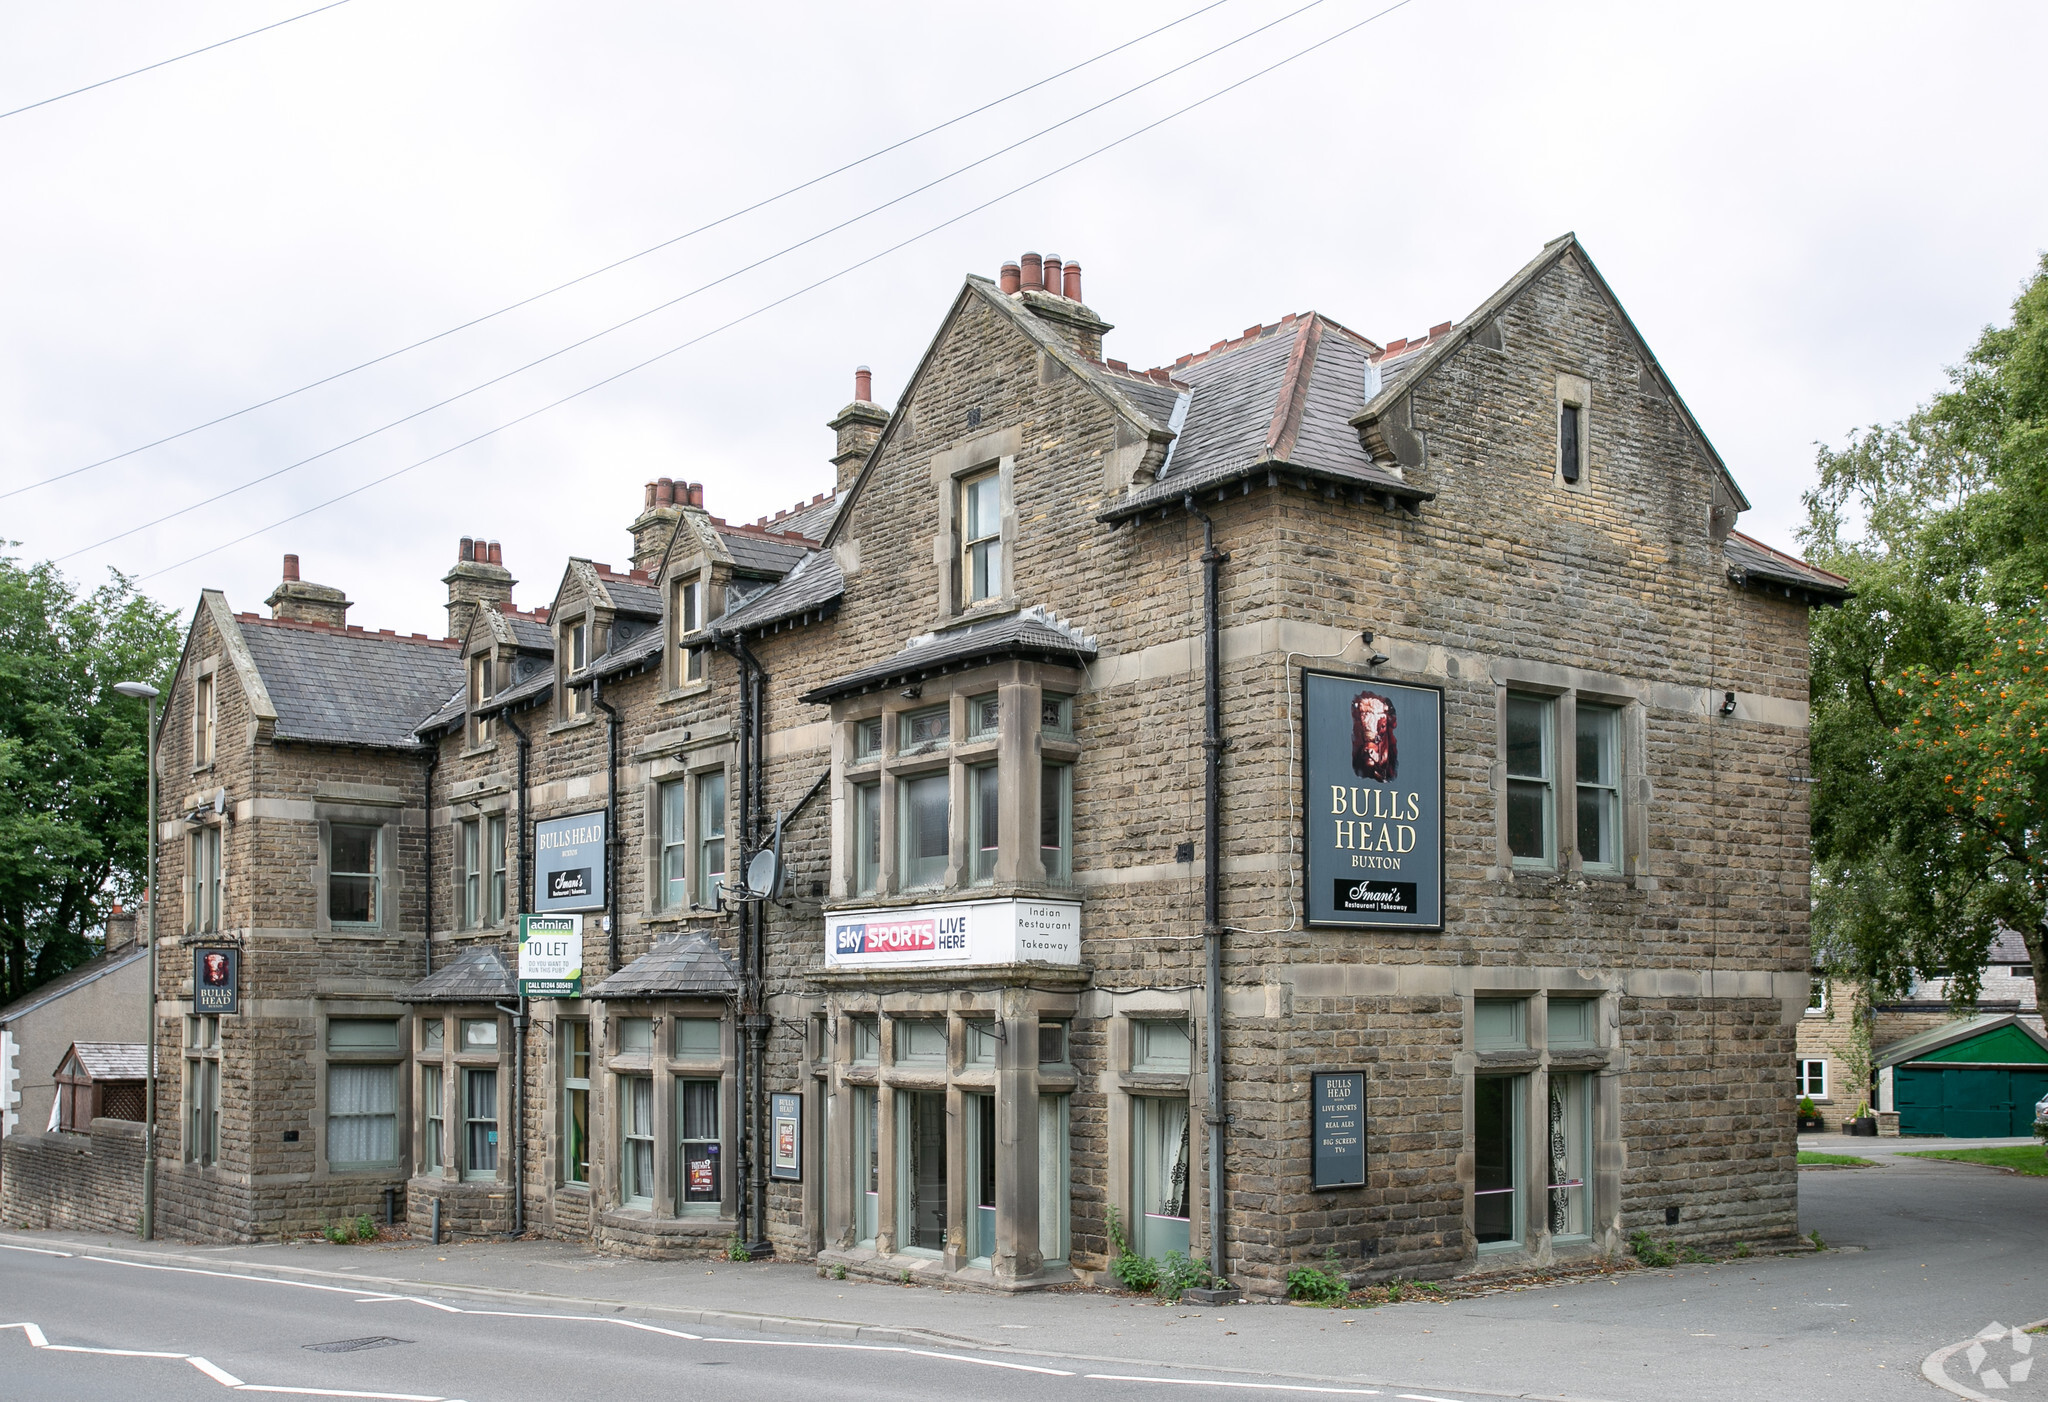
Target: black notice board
[1337, 1128]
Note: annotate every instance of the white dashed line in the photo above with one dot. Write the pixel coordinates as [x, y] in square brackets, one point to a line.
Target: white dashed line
[1257, 1387]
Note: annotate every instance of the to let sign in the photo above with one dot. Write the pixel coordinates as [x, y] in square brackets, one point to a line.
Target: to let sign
[551, 956]
[568, 863]
[1372, 802]
[216, 980]
[1338, 1128]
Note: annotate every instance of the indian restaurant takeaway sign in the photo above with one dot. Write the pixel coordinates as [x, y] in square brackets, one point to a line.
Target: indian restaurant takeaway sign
[1373, 802]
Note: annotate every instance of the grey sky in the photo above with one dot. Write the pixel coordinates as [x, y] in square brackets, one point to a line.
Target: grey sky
[1808, 209]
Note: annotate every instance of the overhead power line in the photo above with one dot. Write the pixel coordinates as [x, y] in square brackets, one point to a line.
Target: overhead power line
[681, 297]
[617, 263]
[766, 307]
[178, 58]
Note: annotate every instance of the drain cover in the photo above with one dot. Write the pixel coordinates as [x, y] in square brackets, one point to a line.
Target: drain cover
[356, 1345]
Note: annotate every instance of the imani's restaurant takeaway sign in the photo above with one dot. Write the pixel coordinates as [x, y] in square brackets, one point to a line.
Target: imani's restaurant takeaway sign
[1373, 802]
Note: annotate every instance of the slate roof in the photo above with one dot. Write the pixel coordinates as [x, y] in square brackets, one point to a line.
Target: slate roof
[339, 686]
[678, 964]
[477, 975]
[761, 554]
[814, 520]
[813, 584]
[625, 656]
[1750, 561]
[111, 1061]
[1935, 1038]
[530, 633]
[93, 969]
[631, 595]
[1034, 634]
[1280, 399]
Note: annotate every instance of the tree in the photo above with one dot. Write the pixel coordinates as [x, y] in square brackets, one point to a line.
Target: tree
[73, 827]
[1930, 807]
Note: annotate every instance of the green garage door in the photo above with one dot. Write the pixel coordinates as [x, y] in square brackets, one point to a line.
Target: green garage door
[1967, 1102]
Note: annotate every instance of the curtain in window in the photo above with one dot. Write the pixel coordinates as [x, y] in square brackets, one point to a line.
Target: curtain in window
[480, 1110]
[362, 1118]
[639, 1136]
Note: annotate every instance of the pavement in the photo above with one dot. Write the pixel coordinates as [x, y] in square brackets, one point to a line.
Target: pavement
[1922, 1255]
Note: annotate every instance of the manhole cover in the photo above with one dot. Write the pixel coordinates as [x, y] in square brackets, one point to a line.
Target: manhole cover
[356, 1345]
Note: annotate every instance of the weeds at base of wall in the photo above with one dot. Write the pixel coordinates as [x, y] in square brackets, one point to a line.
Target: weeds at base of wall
[350, 1230]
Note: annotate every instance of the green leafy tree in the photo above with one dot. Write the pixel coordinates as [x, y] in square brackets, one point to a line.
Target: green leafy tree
[1929, 824]
[73, 829]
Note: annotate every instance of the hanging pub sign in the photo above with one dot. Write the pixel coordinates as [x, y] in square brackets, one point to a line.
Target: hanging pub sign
[568, 863]
[1337, 1128]
[551, 956]
[1373, 802]
[216, 981]
[786, 1120]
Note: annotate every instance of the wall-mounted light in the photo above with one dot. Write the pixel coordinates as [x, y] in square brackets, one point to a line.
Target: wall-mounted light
[911, 693]
[1373, 659]
[1728, 703]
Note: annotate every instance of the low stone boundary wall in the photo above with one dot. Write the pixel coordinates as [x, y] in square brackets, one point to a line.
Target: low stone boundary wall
[90, 1182]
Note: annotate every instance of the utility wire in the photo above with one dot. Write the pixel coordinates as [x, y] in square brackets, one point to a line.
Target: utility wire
[846, 271]
[161, 63]
[682, 297]
[619, 263]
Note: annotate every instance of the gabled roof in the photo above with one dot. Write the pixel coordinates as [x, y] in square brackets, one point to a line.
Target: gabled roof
[1033, 634]
[91, 971]
[1116, 391]
[811, 520]
[1753, 564]
[1275, 403]
[346, 686]
[109, 1061]
[677, 965]
[477, 975]
[1924, 1045]
[633, 593]
[759, 551]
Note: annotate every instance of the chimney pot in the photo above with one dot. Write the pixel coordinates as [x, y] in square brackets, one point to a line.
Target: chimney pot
[1073, 287]
[665, 492]
[697, 494]
[863, 384]
[466, 550]
[1053, 281]
[497, 554]
[1010, 279]
[1034, 273]
[291, 567]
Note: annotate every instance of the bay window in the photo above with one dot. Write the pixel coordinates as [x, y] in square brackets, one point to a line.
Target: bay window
[926, 806]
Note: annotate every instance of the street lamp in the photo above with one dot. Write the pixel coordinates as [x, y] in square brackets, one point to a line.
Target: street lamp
[143, 691]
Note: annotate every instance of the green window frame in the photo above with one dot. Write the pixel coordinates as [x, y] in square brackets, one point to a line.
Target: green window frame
[1532, 778]
[575, 1049]
[1599, 787]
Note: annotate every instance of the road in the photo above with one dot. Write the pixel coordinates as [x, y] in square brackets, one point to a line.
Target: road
[1924, 1254]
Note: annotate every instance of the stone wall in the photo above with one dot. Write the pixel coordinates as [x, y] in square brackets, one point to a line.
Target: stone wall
[74, 1182]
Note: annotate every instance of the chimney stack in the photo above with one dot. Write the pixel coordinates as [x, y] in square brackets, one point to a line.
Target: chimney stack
[121, 926]
[478, 581]
[656, 525]
[1051, 287]
[859, 426]
[307, 603]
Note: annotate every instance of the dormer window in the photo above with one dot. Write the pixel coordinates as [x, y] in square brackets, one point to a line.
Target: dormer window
[690, 611]
[576, 650]
[579, 645]
[981, 536]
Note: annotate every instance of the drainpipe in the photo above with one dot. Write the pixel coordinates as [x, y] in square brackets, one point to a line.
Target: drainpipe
[433, 760]
[517, 1012]
[1212, 870]
[611, 822]
[753, 932]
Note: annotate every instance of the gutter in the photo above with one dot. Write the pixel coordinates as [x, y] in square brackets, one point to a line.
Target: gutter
[427, 944]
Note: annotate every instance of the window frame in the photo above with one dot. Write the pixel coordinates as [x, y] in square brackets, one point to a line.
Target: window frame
[202, 1090]
[207, 886]
[205, 719]
[672, 842]
[1574, 400]
[496, 827]
[1057, 862]
[1817, 995]
[1803, 1077]
[483, 686]
[708, 842]
[469, 1077]
[390, 1059]
[984, 811]
[1544, 783]
[982, 558]
[472, 874]
[912, 869]
[377, 916]
[575, 1092]
[1608, 793]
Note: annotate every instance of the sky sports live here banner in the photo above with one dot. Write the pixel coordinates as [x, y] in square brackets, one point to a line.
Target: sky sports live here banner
[1373, 802]
[969, 932]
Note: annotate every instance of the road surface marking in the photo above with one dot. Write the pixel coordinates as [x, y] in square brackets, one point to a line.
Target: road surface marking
[895, 1348]
[1260, 1387]
[36, 1250]
[214, 1371]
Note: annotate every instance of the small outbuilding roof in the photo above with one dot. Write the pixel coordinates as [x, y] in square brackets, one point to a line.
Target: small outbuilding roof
[677, 965]
[1992, 1040]
[477, 975]
[109, 1061]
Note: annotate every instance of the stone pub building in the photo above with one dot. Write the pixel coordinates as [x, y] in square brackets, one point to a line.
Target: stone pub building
[1037, 708]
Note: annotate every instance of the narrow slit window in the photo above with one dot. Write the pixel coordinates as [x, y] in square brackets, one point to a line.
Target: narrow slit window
[1568, 441]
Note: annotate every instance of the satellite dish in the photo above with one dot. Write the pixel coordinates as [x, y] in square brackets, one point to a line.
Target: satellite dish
[764, 874]
[220, 801]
